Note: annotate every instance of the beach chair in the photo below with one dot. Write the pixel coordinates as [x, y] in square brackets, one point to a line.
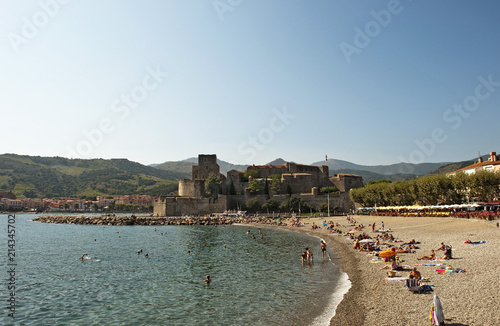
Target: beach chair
[413, 285]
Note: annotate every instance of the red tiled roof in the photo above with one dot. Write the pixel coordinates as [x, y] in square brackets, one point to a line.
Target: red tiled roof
[478, 165]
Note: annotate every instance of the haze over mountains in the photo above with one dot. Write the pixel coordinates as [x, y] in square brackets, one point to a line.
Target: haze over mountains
[35, 176]
[393, 172]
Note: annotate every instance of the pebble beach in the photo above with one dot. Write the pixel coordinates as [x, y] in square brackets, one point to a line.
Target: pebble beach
[469, 298]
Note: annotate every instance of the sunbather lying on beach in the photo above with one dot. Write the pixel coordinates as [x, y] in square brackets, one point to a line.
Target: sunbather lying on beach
[395, 266]
[432, 256]
[404, 249]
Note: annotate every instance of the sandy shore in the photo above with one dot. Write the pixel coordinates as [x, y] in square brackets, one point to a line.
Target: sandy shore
[470, 298]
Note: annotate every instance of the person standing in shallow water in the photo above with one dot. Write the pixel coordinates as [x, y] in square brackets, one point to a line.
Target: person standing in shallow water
[323, 248]
[304, 257]
[309, 256]
[208, 280]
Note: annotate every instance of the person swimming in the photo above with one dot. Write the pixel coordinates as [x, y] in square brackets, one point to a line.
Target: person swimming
[83, 257]
[208, 280]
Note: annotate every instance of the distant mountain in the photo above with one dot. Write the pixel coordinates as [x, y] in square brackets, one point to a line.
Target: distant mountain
[457, 166]
[393, 172]
[398, 168]
[184, 167]
[278, 161]
[35, 176]
[369, 176]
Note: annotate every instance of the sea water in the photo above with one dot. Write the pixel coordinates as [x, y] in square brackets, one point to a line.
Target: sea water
[255, 281]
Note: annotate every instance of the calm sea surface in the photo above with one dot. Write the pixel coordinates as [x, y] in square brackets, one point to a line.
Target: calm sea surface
[255, 281]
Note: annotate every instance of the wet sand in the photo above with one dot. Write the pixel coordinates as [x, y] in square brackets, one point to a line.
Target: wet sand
[470, 298]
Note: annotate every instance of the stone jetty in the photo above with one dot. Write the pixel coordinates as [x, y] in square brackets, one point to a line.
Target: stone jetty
[139, 220]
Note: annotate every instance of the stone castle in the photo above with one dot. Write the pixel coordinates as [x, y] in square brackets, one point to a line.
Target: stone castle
[295, 180]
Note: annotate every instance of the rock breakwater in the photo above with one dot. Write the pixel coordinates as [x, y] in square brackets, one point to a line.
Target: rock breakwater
[140, 220]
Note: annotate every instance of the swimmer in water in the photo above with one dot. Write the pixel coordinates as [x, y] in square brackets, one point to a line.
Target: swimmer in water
[146, 255]
[208, 280]
[83, 257]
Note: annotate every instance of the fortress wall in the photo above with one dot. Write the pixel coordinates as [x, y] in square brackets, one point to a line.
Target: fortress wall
[186, 188]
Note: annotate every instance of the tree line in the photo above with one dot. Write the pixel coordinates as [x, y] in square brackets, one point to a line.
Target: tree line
[430, 190]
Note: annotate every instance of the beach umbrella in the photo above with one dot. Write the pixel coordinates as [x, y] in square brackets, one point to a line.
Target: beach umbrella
[387, 253]
[324, 223]
[367, 240]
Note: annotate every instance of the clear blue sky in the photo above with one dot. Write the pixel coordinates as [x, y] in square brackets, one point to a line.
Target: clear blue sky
[371, 82]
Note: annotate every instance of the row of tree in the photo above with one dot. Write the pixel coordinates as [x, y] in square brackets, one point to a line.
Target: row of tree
[430, 190]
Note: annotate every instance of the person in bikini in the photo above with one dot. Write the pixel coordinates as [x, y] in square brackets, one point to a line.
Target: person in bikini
[323, 248]
[432, 256]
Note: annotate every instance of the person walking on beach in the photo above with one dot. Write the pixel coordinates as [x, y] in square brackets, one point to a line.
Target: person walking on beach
[383, 225]
[323, 248]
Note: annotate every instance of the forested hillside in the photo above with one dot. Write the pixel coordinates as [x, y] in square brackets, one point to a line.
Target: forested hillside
[34, 176]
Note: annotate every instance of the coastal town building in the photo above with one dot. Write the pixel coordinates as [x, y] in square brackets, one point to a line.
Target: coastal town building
[294, 181]
[102, 203]
[490, 165]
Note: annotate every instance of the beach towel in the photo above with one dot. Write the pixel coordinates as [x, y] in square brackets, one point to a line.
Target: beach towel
[475, 242]
[400, 279]
[456, 270]
[438, 311]
[431, 264]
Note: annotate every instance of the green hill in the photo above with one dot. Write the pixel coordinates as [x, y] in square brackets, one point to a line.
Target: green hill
[185, 167]
[456, 166]
[369, 176]
[35, 176]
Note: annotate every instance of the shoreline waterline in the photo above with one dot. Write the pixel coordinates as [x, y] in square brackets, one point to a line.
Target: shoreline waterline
[263, 279]
[343, 283]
